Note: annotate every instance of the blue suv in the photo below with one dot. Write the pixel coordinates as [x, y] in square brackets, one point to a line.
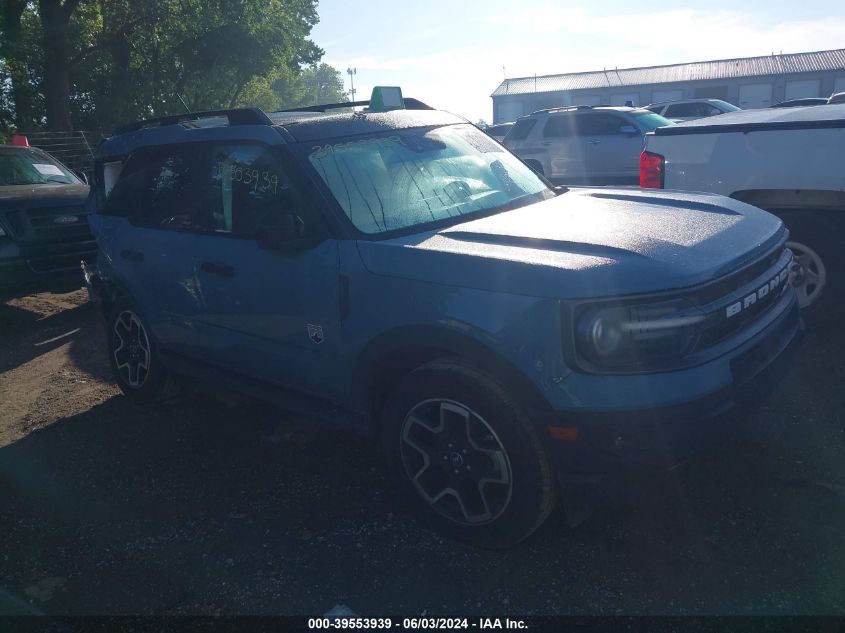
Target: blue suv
[400, 272]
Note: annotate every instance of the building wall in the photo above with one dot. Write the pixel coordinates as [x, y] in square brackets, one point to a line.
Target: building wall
[793, 85]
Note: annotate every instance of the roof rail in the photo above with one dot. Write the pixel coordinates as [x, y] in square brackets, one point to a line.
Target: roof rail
[574, 108]
[410, 104]
[236, 116]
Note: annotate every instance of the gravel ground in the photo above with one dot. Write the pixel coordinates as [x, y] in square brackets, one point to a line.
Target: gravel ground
[198, 507]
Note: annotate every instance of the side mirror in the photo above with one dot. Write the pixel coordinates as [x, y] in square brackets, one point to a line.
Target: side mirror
[82, 176]
[283, 233]
[628, 129]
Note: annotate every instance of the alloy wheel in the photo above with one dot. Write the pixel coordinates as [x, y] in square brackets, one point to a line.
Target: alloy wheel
[808, 274]
[132, 353]
[456, 462]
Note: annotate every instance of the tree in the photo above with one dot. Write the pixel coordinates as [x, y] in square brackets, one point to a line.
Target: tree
[14, 50]
[55, 26]
[316, 84]
[95, 63]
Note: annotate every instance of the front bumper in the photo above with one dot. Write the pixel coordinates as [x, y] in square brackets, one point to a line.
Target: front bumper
[663, 436]
[45, 267]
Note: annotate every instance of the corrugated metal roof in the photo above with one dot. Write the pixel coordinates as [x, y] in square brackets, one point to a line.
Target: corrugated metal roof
[718, 69]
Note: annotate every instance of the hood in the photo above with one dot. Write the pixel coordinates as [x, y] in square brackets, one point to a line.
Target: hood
[58, 191]
[587, 243]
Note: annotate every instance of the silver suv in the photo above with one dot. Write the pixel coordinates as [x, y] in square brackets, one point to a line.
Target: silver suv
[584, 144]
[691, 109]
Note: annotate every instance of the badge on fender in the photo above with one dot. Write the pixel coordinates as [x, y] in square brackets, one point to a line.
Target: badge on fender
[315, 333]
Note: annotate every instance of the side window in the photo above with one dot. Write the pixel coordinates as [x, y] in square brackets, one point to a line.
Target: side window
[597, 124]
[253, 190]
[683, 110]
[709, 110]
[175, 191]
[521, 129]
[557, 126]
[124, 198]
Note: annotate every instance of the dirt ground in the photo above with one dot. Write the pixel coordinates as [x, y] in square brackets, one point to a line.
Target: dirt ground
[196, 507]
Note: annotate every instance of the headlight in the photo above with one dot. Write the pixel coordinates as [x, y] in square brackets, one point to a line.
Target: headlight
[636, 337]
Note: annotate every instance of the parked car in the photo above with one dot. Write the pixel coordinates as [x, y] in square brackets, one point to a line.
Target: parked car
[584, 144]
[400, 273]
[690, 109]
[43, 228]
[788, 161]
[498, 131]
[797, 103]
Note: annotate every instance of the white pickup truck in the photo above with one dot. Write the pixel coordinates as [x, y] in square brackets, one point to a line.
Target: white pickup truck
[788, 161]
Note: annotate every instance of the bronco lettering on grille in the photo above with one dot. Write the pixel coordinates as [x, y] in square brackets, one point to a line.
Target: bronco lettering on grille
[759, 294]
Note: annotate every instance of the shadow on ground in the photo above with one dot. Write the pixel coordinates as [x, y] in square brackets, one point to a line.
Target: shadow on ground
[192, 507]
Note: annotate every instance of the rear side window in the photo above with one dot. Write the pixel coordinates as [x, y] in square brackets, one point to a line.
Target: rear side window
[597, 124]
[558, 125]
[521, 129]
[691, 110]
[162, 188]
[174, 194]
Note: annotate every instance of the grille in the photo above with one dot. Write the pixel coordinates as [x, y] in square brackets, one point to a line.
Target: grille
[58, 224]
[719, 327]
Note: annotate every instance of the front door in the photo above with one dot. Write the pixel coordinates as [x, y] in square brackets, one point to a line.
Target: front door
[271, 313]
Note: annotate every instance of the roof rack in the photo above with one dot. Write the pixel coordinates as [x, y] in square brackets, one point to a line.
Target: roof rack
[236, 116]
[410, 104]
[573, 108]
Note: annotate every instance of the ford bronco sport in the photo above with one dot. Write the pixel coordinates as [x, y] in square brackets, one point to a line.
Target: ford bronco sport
[400, 272]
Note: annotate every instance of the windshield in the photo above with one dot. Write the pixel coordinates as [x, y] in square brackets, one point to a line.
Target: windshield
[30, 167]
[406, 178]
[649, 120]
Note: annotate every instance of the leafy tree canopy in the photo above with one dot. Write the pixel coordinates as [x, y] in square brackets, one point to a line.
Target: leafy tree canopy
[94, 63]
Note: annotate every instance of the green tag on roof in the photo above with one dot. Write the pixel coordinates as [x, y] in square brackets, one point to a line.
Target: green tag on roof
[386, 98]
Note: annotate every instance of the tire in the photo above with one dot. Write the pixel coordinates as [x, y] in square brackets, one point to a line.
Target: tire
[814, 238]
[446, 418]
[133, 354]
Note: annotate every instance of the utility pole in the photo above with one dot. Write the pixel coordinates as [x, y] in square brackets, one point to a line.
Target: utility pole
[352, 72]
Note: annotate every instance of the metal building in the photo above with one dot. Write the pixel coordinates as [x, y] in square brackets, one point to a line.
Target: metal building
[749, 82]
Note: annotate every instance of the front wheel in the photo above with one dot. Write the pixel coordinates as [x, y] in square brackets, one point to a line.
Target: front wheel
[466, 454]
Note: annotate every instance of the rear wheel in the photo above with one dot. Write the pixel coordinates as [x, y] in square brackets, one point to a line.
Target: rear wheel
[133, 354]
[466, 455]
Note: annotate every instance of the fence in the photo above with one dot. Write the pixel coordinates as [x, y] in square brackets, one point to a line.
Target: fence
[74, 149]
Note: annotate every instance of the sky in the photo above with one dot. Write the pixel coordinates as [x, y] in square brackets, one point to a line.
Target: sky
[452, 54]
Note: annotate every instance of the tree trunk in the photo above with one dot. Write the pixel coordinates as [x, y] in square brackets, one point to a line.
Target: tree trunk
[55, 18]
[16, 63]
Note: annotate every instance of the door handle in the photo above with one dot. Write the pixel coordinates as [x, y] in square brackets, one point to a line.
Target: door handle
[546, 143]
[594, 141]
[132, 256]
[224, 270]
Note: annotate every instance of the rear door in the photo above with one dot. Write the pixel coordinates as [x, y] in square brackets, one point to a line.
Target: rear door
[612, 155]
[566, 156]
[150, 219]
